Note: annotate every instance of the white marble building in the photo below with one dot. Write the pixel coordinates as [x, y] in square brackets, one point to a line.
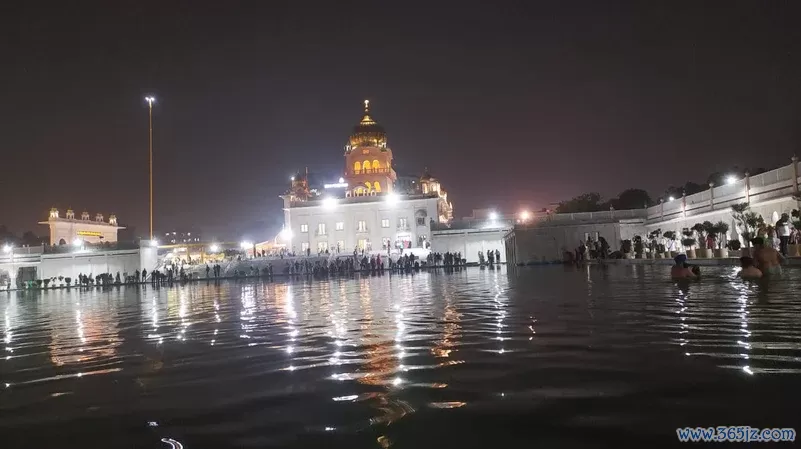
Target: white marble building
[66, 230]
[370, 223]
[369, 213]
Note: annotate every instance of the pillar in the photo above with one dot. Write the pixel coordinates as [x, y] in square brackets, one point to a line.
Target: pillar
[795, 182]
[748, 187]
[711, 196]
[684, 203]
[662, 208]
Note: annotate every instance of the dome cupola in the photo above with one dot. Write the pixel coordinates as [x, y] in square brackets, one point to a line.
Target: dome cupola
[368, 133]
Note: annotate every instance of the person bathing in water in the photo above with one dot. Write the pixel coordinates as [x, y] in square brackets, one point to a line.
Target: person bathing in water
[680, 270]
[766, 258]
[749, 271]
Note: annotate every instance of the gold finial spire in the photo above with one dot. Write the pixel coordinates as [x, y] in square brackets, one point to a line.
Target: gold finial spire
[366, 106]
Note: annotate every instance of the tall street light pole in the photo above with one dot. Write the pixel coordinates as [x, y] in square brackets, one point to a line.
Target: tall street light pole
[150, 101]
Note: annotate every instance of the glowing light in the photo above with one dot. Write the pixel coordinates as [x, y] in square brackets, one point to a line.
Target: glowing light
[291, 178]
[245, 245]
[493, 216]
[670, 198]
[392, 199]
[214, 248]
[154, 242]
[341, 180]
[286, 234]
[77, 243]
[525, 215]
[6, 249]
[731, 179]
[397, 381]
[150, 100]
[329, 203]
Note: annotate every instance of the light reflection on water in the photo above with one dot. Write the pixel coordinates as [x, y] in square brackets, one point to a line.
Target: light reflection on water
[385, 360]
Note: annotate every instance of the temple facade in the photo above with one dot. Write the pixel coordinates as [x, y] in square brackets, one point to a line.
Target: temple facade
[68, 229]
[366, 210]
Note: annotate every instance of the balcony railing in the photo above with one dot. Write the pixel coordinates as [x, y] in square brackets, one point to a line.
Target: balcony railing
[371, 171]
[402, 227]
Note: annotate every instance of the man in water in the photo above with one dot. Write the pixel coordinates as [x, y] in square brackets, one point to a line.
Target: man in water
[749, 271]
[679, 271]
[766, 259]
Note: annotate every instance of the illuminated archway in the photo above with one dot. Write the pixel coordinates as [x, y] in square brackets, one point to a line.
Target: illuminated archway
[367, 184]
[357, 166]
[377, 186]
[376, 164]
[366, 165]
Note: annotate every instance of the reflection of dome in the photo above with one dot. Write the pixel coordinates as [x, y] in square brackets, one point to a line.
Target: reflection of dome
[368, 133]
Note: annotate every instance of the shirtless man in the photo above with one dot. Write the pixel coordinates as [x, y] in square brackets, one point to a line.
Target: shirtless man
[679, 271]
[767, 259]
[749, 271]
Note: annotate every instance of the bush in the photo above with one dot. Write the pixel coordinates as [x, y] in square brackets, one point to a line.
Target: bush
[700, 230]
[688, 242]
[625, 246]
[733, 245]
[670, 235]
[68, 281]
[46, 283]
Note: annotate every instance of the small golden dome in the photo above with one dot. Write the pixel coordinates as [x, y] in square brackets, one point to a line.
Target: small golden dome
[368, 133]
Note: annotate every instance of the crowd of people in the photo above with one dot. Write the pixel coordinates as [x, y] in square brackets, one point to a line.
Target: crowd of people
[591, 249]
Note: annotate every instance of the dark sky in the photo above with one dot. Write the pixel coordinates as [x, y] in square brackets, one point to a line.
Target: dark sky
[510, 104]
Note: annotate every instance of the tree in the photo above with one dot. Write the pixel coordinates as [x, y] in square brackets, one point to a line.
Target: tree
[31, 239]
[631, 199]
[587, 202]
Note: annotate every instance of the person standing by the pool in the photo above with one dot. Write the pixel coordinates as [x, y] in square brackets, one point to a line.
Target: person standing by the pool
[783, 232]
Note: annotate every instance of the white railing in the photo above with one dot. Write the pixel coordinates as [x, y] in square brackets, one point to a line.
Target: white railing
[771, 184]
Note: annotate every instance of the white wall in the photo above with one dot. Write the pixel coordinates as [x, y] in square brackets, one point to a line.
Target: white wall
[350, 212]
[70, 265]
[469, 242]
[548, 243]
[770, 210]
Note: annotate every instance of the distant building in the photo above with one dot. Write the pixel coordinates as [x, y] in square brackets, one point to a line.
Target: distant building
[68, 229]
[367, 209]
[177, 237]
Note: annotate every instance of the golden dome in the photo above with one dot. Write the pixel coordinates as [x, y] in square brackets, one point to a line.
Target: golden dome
[368, 133]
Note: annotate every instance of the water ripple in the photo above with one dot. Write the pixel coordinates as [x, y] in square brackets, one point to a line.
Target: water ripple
[261, 363]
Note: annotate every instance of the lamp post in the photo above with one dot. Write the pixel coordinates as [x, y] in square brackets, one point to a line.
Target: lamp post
[150, 101]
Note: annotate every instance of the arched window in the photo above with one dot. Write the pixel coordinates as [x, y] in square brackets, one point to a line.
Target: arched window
[357, 167]
[62, 242]
[376, 164]
[367, 184]
[377, 186]
[366, 165]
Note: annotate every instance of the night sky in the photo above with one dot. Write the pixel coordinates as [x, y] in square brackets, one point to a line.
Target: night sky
[510, 104]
